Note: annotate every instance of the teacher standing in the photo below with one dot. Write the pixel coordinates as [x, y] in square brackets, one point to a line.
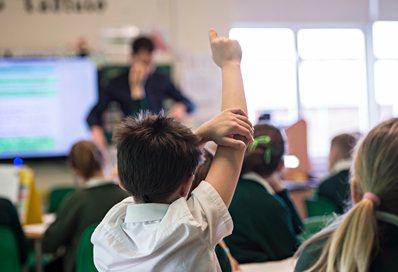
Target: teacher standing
[140, 88]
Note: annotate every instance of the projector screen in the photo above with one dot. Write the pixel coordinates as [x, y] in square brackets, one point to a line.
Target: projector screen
[44, 104]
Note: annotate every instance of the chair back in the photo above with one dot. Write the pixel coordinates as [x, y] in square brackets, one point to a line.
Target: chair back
[318, 206]
[315, 224]
[85, 258]
[9, 253]
[56, 196]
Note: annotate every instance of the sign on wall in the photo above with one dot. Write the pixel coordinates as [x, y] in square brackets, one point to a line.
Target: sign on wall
[64, 6]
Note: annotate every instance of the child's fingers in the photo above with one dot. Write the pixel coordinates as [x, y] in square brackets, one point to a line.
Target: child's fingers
[243, 131]
[234, 143]
[245, 120]
[238, 111]
[242, 125]
[212, 34]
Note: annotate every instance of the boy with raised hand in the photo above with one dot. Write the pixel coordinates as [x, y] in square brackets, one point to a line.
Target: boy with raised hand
[158, 229]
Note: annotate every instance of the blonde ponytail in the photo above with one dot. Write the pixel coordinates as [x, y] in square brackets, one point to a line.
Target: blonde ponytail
[353, 243]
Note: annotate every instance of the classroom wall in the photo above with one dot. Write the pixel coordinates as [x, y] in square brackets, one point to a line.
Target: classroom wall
[183, 21]
[291, 11]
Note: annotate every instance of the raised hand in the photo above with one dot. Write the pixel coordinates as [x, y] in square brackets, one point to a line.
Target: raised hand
[138, 73]
[224, 127]
[224, 49]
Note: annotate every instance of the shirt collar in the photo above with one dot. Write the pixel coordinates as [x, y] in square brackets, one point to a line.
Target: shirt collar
[259, 179]
[145, 212]
[340, 166]
[94, 182]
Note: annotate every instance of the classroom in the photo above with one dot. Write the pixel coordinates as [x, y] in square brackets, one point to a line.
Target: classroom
[129, 130]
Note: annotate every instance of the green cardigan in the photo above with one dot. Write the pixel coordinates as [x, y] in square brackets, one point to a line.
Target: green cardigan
[265, 225]
[336, 188]
[386, 259]
[9, 218]
[223, 259]
[78, 211]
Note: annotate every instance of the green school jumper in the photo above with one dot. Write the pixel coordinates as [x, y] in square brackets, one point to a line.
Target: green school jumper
[223, 259]
[385, 261]
[336, 188]
[265, 224]
[78, 211]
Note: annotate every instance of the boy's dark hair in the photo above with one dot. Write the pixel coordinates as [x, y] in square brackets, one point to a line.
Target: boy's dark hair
[155, 155]
[142, 43]
[265, 153]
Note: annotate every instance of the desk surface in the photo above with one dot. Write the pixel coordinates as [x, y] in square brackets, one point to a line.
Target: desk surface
[300, 185]
[286, 265]
[36, 231]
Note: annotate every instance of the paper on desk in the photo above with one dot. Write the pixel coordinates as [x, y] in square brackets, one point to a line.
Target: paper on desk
[35, 228]
[9, 182]
[286, 265]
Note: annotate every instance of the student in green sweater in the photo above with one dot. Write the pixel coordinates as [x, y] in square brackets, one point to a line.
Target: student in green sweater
[9, 218]
[266, 222]
[336, 186]
[366, 237]
[82, 208]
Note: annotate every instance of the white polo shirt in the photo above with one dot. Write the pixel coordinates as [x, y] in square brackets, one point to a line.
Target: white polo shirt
[161, 237]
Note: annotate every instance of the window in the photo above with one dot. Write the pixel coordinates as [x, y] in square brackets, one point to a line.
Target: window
[269, 72]
[331, 79]
[385, 44]
[332, 84]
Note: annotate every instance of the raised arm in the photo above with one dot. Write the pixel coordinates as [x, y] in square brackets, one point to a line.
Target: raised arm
[225, 169]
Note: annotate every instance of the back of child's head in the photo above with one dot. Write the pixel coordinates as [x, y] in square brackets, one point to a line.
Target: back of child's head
[376, 165]
[344, 145]
[354, 243]
[85, 158]
[156, 154]
[265, 153]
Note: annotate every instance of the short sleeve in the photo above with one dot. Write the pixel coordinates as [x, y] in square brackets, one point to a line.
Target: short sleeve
[209, 209]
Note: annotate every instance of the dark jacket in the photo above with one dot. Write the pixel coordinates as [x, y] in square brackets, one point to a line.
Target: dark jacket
[9, 218]
[336, 188]
[265, 225]
[78, 211]
[223, 259]
[157, 87]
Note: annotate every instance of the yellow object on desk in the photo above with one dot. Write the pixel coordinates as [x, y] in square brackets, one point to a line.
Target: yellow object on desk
[30, 209]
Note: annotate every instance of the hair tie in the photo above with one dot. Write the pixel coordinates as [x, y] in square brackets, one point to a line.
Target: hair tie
[268, 150]
[372, 197]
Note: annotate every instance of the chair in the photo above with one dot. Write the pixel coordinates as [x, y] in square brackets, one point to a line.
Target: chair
[84, 258]
[318, 206]
[9, 253]
[314, 224]
[56, 196]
